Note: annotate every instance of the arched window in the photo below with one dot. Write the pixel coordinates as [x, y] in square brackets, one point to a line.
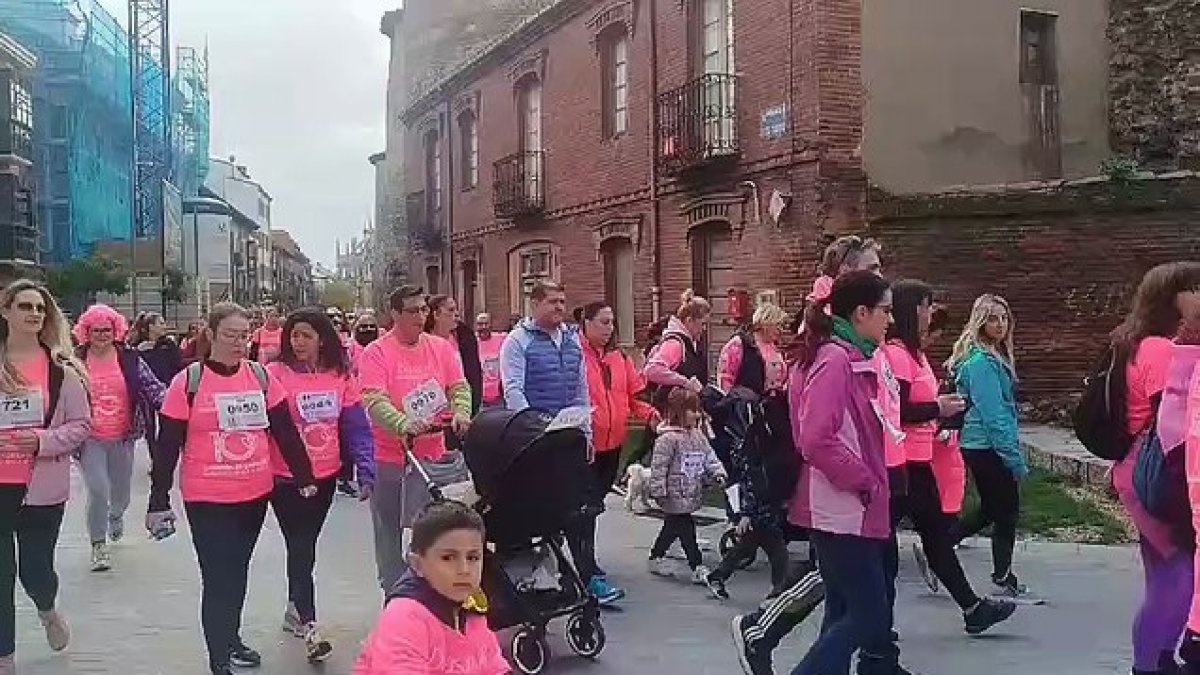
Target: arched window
[433, 174]
[468, 134]
[614, 70]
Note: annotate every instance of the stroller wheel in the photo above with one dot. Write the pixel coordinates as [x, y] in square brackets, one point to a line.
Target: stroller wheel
[730, 539]
[585, 634]
[530, 652]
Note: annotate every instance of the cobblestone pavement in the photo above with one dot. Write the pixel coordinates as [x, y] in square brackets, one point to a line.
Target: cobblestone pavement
[142, 617]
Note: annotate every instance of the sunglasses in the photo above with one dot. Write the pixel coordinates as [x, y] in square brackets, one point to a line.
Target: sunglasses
[31, 307]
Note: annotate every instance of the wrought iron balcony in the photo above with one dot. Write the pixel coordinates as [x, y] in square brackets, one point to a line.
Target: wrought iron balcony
[520, 185]
[698, 122]
[424, 225]
[16, 140]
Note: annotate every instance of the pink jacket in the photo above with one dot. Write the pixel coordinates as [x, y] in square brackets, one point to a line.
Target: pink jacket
[411, 640]
[69, 428]
[843, 486]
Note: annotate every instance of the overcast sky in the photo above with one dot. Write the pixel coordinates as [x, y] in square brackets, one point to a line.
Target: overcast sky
[298, 91]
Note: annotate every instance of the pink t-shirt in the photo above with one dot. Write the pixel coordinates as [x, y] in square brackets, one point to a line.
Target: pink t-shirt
[19, 412]
[1146, 375]
[923, 388]
[269, 342]
[489, 359]
[730, 363]
[410, 640]
[888, 408]
[227, 454]
[111, 408]
[416, 378]
[316, 401]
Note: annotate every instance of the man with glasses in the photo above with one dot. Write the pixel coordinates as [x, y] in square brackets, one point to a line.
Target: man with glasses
[412, 382]
[489, 359]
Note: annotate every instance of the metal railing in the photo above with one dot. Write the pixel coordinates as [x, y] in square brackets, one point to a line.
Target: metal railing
[698, 122]
[520, 185]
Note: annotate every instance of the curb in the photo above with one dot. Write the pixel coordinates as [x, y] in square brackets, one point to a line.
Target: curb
[1086, 469]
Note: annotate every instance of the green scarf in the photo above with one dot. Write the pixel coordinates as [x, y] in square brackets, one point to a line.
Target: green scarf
[845, 330]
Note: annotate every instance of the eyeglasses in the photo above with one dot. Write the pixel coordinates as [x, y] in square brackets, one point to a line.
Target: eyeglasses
[422, 309]
[31, 307]
[367, 326]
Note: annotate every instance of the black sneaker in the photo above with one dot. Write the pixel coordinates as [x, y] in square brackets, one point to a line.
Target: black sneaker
[1010, 586]
[716, 586]
[219, 669]
[986, 614]
[753, 661]
[347, 488]
[244, 657]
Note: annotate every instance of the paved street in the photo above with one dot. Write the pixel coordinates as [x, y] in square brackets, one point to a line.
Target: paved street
[141, 618]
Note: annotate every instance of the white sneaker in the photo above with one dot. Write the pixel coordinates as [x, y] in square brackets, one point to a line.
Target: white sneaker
[700, 575]
[315, 644]
[101, 560]
[661, 567]
[58, 634]
[291, 621]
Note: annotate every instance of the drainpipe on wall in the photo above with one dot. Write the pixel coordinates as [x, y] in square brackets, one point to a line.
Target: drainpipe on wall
[448, 255]
[656, 247]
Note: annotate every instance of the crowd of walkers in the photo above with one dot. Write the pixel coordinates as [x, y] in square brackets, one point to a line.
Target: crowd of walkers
[833, 426]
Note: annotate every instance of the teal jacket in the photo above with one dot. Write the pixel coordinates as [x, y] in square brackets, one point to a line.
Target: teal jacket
[991, 419]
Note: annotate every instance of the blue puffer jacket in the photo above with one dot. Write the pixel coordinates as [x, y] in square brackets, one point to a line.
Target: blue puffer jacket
[990, 423]
[537, 373]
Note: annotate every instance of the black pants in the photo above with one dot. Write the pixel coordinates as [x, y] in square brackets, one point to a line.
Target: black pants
[224, 536]
[11, 497]
[301, 521]
[582, 536]
[679, 526]
[1000, 506]
[37, 537]
[772, 542]
[923, 505]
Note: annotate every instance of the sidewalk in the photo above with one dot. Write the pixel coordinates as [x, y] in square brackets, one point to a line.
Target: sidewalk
[1057, 450]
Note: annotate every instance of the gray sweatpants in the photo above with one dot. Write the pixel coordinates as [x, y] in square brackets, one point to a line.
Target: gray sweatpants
[397, 498]
[107, 472]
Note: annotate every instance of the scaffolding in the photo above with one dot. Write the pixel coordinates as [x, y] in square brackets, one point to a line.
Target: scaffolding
[151, 68]
[84, 144]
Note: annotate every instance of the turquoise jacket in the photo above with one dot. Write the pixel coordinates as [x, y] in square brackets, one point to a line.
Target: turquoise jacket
[991, 419]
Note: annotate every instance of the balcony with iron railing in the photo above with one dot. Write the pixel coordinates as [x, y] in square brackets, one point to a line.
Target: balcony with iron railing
[16, 140]
[520, 184]
[424, 223]
[698, 123]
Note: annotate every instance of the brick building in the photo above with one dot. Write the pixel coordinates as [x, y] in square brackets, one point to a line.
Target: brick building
[19, 233]
[635, 148]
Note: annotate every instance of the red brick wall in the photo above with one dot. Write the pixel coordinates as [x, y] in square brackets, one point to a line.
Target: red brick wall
[1066, 260]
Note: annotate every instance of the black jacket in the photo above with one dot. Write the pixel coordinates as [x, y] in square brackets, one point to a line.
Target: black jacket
[468, 349]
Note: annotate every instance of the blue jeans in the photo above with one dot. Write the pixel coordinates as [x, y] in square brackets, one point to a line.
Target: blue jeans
[857, 615]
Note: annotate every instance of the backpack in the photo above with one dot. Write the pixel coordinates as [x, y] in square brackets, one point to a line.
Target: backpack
[1099, 418]
[196, 370]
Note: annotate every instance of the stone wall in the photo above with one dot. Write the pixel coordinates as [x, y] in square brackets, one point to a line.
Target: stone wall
[1155, 81]
[1067, 258]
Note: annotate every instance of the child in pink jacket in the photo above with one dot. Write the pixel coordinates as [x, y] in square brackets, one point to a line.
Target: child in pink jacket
[426, 628]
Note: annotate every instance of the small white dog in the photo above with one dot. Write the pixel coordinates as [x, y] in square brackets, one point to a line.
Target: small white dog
[637, 488]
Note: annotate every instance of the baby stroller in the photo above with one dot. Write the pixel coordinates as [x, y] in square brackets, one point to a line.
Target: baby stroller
[531, 475]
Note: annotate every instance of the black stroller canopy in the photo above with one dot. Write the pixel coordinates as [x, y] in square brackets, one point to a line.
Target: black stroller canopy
[498, 437]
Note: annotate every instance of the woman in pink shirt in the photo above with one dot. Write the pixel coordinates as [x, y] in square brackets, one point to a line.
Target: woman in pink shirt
[44, 418]
[125, 396]
[430, 626]
[1143, 346]
[266, 342]
[326, 406]
[219, 418]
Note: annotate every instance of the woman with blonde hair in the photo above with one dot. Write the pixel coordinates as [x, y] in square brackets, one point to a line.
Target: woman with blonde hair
[45, 417]
[677, 360]
[985, 374]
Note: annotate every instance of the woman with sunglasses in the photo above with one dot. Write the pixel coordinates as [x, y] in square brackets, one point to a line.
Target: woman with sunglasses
[326, 405]
[220, 416]
[614, 385]
[45, 418]
[124, 394]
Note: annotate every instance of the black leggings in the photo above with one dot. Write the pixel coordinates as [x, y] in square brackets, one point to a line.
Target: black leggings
[1000, 506]
[11, 497]
[923, 505]
[581, 537]
[301, 521]
[37, 537]
[224, 536]
[679, 526]
[772, 542]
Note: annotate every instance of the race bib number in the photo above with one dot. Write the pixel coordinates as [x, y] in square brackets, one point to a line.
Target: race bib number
[426, 402]
[242, 412]
[21, 411]
[570, 418]
[319, 406]
[693, 465]
[491, 367]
